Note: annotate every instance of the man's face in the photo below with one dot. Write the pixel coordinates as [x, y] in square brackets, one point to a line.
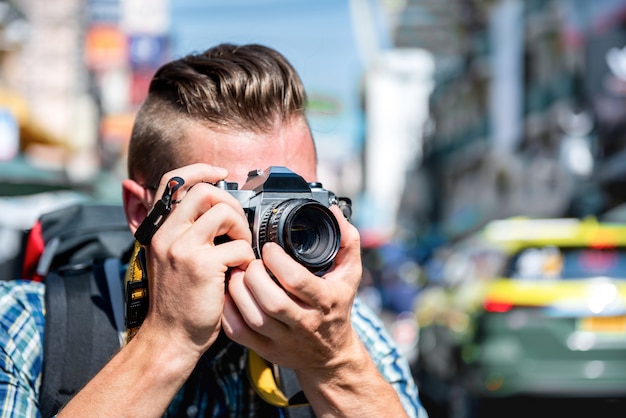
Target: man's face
[288, 145]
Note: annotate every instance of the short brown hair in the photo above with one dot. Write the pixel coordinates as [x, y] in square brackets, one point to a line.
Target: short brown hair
[230, 87]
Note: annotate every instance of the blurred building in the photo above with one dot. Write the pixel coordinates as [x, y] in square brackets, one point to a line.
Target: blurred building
[522, 113]
[398, 85]
[526, 115]
[74, 73]
[39, 86]
[86, 66]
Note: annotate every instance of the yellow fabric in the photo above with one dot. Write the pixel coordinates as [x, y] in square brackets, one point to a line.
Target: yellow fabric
[134, 273]
[263, 381]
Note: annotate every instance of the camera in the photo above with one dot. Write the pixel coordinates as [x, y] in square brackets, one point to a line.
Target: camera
[284, 208]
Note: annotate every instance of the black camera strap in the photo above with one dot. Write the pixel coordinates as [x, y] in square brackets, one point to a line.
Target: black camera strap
[159, 213]
[136, 283]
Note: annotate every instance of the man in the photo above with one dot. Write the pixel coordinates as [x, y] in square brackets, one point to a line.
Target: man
[208, 117]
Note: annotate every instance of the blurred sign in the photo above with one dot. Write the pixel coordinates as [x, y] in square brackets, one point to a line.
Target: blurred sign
[117, 128]
[147, 51]
[103, 11]
[105, 47]
[139, 84]
[145, 16]
[9, 135]
[114, 90]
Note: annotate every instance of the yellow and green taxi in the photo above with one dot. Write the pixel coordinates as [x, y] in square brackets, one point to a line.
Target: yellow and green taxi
[548, 320]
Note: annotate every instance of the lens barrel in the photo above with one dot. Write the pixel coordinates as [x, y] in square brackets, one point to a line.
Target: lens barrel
[306, 229]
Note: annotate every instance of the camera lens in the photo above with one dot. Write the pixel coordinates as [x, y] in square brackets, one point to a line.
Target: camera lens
[306, 229]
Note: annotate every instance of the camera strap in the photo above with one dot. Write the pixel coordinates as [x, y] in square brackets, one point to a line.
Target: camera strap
[276, 385]
[136, 280]
[159, 213]
[136, 296]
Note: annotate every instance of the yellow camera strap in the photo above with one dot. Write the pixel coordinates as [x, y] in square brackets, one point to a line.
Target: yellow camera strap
[262, 379]
[266, 382]
[136, 295]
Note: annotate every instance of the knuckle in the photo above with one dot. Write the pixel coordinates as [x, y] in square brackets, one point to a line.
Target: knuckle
[256, 323]
[353, 236]
[199, 189]
[275, 310]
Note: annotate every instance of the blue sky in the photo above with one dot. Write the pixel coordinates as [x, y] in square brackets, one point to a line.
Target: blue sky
[315, 35]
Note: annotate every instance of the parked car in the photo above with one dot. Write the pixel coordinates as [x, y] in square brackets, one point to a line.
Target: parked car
[549, 321]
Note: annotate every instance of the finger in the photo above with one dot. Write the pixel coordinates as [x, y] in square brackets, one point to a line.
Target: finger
[200, 235]
[202, 199]
[349, 234]
[192, 174]
[294, 278]
[311, 289]
[198, 202]
[264, 305]
[221, 223]
[349, 255]
[233, 322]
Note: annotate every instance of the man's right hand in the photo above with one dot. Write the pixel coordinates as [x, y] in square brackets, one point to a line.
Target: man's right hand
[186, 276]
[186, 269]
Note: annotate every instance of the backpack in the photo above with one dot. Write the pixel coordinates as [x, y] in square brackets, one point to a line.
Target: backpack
[78, 251]
[71, 249]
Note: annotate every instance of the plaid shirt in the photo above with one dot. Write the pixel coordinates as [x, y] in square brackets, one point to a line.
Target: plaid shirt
[218, 387]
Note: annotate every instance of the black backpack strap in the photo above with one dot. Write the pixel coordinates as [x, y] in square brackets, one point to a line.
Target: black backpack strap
[290, 386]
[80, 335]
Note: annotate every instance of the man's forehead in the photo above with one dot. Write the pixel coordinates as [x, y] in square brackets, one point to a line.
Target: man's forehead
[289, 145]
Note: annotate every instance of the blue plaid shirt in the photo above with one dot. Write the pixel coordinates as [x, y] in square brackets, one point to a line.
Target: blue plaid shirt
[218, 387]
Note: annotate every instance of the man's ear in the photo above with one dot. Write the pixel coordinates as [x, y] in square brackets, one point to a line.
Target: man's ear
[136, 203]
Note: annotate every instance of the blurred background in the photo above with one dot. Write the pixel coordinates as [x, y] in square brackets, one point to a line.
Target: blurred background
[435, 116]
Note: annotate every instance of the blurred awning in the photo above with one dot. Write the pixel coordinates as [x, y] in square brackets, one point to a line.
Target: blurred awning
[19, 178]
[31, 132]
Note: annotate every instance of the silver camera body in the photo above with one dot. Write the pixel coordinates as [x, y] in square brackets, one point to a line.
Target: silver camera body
[284, 208]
